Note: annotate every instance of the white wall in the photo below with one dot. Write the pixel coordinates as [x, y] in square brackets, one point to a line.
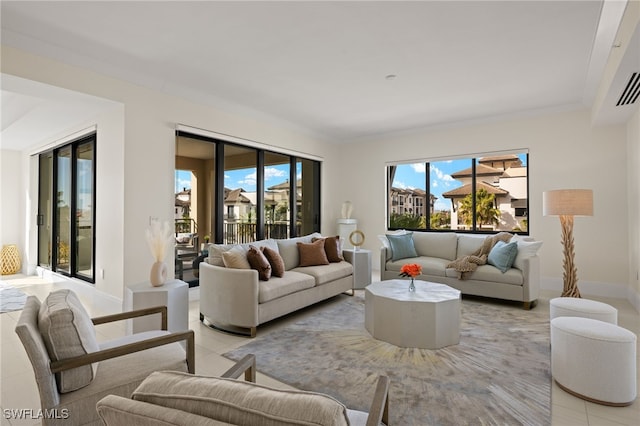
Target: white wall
[13, 196]
[564, 152]
[633, 207]
[136, 158]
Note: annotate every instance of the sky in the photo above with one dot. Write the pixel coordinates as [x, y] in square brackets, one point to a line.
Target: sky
[412, 176]
[242, 178]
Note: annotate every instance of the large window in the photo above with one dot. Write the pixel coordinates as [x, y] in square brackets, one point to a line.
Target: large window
[66, 220]
[478, 194]
[237, 194]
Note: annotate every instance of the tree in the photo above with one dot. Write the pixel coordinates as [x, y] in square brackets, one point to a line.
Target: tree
[407, 221]
[486, 213]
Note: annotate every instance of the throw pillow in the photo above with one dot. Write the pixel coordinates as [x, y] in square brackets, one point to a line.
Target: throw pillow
[236, 258]
[312, 254]
[331, 248]
[385, 241]
[526, 249]
[259, 262]
[502, 255]
[402, 246]
[67, 331]
[275, 260]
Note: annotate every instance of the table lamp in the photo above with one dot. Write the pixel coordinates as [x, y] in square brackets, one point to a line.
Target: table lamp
[568, 203]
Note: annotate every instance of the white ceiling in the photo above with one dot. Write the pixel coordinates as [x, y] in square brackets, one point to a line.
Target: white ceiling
[323, 66]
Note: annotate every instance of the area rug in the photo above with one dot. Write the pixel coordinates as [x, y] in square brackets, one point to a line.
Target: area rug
[11, 299]
[498, 375]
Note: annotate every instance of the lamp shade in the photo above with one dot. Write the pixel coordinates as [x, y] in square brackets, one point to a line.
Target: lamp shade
[567, 202]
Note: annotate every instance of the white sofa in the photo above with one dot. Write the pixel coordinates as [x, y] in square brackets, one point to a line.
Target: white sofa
[236, 300]
[436, 250]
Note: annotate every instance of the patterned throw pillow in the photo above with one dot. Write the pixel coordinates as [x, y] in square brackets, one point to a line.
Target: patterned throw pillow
[331, 248]
[312, 254]
[259, 262]
[275, 260]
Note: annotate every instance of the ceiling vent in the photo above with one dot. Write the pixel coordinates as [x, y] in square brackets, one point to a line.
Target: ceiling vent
[631, 91]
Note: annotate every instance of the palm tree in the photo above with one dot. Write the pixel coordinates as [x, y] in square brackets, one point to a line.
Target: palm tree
[486, 213]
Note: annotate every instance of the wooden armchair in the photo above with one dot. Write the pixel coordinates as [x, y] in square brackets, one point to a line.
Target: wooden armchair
[182, 399]
[114, 367]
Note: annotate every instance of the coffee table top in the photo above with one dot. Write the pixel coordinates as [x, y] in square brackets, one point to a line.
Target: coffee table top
[425, 291]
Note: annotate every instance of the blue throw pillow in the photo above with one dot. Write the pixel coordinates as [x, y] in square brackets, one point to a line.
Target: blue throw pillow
[402, 246]
[502, 255]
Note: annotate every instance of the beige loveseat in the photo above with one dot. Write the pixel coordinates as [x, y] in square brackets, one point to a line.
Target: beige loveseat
[234, 299]
[437, 250]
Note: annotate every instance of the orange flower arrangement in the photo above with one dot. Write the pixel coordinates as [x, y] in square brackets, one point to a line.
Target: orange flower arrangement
[410, 270]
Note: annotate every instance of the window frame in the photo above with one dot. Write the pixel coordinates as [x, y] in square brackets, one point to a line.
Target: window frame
[396, 202]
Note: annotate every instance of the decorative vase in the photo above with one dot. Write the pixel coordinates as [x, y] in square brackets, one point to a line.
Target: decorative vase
[412, 287]
[10, 259]
[158, 274]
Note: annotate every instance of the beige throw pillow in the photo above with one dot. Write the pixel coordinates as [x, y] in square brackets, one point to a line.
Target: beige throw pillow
[236, 258]
[312, 254]
[259, 262]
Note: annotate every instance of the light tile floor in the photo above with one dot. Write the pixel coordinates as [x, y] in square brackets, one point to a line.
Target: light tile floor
[18, 388]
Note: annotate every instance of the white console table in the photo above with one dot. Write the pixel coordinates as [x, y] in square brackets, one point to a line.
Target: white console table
[173, 294]
[361, 261]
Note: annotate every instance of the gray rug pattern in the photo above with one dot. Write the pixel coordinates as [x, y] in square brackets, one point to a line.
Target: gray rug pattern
[499, 374]
[11, 299]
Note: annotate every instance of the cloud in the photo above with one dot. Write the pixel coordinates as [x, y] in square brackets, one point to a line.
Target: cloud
[399, 184]
[447, 179]
[419, 167]
[272, 172]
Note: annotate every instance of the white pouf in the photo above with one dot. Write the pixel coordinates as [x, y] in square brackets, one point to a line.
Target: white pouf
[585, 308]
[594, 360]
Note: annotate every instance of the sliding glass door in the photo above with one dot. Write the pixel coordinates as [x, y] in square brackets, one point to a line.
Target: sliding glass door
[66, 221]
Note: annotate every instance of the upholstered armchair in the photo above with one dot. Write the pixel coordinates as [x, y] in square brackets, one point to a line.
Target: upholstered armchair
[172, 398]
[73, 372]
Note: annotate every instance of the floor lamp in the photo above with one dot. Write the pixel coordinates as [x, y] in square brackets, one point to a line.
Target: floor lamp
[568, 203]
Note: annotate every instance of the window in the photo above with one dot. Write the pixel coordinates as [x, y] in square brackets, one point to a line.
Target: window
[66, 221]
[477, 194]
[246, 193]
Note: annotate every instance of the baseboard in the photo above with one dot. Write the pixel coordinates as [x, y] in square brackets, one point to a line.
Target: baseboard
[599, 289]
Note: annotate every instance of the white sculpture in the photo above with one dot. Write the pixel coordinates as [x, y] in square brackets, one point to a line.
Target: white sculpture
[347, 209]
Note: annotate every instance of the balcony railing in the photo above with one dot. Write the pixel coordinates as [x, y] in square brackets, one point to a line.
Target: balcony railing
[241, 233]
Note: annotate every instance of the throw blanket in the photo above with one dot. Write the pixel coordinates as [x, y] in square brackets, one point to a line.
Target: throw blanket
[467, 264]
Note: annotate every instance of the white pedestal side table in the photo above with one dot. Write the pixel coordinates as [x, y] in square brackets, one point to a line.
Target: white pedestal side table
[173, 294]
[361, 261]
[427, 318]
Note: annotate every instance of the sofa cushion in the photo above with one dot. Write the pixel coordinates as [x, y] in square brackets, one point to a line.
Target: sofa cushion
[290, 282]
[385, 241]
[312, 254]
[239, 402]
[67, 331]
[327, 273]
[526, 249]
[436, 244]
[216, 250]
[492, 274]
[288, 249]
[236, 258]
[502, 255]
[402, 246]
[430, 265]
[469, 244]
[275, 260]
[332, 248]
[259, 262]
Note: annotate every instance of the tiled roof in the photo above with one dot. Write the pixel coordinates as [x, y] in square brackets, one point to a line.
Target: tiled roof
[465, 190]
[481, 170]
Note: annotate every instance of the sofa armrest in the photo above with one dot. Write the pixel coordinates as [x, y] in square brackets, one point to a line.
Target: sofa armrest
[383, 259]
[531, 275]
[229, 296]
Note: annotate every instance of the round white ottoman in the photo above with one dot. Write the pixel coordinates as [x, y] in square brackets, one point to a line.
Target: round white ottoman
[594, 360]
[585, 308]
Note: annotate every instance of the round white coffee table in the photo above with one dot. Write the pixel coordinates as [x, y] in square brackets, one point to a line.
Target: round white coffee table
[428, 318]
